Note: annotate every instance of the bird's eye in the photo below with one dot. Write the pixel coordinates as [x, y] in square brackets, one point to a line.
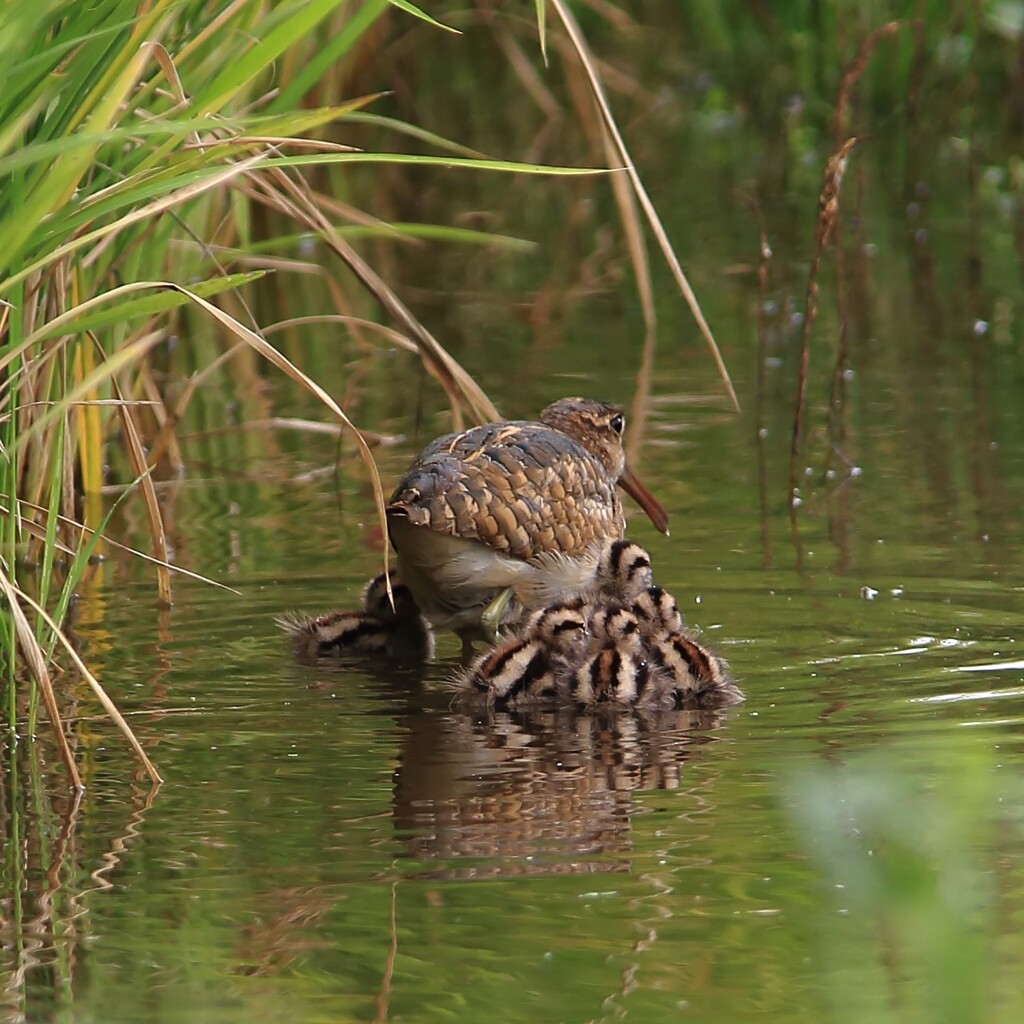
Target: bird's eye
[618, 423]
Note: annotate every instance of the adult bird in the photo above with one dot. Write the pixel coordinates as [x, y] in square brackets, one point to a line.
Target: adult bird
[514, 509]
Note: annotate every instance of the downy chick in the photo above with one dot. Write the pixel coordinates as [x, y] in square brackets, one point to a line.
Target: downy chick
[698, 677]
[657, 612]
[623, 571]
[617, 672]
[376, 629]
[530, 668]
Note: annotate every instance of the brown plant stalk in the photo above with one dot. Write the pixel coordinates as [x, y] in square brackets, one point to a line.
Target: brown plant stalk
[828, 212]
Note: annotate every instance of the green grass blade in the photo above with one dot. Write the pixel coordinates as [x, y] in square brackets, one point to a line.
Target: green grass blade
[410, 8]
[542, 12]
[447, 162]
[328, 55]
[295, 123]
[132, 309]
[64, 175]
[292, 23]
[200, 183]
[439, 233]
[414, 132]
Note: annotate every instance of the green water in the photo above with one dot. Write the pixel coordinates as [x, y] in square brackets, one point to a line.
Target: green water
[333, 843]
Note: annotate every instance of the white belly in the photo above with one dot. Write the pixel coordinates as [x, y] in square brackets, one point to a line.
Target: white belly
[453, 578]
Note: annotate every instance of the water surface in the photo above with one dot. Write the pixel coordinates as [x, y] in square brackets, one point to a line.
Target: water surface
[333, 842]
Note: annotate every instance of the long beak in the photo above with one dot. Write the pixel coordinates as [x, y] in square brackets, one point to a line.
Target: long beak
[647, 501]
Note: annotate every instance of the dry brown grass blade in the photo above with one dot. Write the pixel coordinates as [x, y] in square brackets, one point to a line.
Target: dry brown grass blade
[271, 354]
[101, 694]
[853, 72]
[77, 395]
[86, 532]
[166, 62]
[38, 532]
[99, 403]
[641, 398]
[165, 438]
[163, 417]
[436, 358]
[461, 388]
[396, 337]
[580, 45]
[626, 202]
[345, 211]
[299, 205]
[36, 658]
[142, 470]
[282, 142]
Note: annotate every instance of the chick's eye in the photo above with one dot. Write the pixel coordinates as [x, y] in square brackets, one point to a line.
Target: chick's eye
[618, 423]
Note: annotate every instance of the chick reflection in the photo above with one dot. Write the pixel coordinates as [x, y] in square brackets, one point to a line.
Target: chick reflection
[538, 792]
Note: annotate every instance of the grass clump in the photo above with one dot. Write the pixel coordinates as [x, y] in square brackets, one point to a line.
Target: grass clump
[137, 141]
[125, 129]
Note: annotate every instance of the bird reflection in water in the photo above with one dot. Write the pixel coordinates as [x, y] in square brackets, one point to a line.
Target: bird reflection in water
[535, 792]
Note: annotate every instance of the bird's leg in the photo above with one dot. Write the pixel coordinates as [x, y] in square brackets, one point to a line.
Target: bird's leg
[491, 616]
